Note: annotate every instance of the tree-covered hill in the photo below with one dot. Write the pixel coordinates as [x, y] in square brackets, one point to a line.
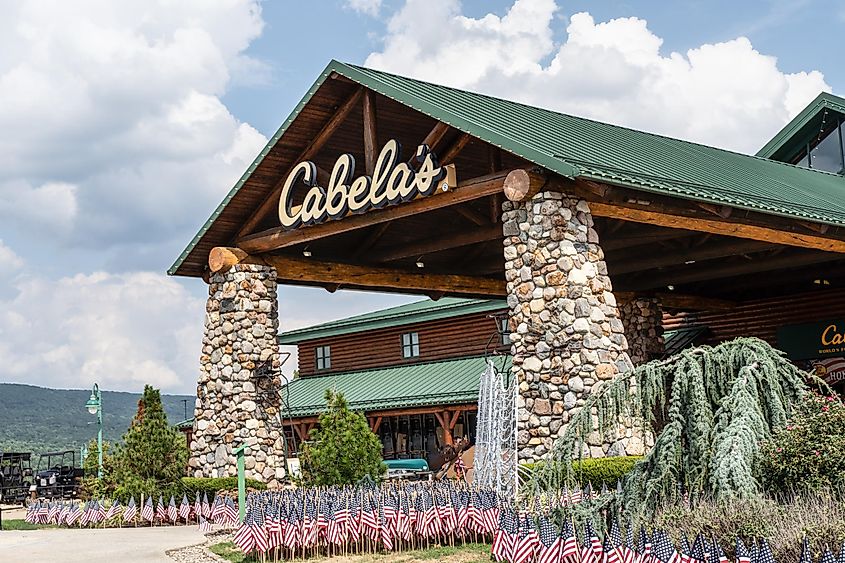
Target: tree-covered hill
[37, 419]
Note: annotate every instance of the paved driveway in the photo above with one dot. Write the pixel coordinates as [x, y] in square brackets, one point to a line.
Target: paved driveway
[117, 545]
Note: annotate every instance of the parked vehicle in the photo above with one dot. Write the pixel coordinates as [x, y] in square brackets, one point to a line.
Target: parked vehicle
[15, 477]
[58, 475]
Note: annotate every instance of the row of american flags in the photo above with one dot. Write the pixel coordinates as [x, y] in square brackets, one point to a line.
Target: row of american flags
[390, 517]
[104, 513]
[521, 538]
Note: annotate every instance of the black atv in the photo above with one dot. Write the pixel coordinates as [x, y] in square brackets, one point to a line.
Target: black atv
[58, 477]
[15, 477]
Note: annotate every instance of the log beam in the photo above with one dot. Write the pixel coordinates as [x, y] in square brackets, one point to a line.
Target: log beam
[522, 185]
[671, 300]
[370, 135]
[221, 258]
[311, 272]
[271, 202]
[276, 238]
[638, 207]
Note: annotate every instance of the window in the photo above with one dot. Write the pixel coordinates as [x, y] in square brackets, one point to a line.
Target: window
[826, 152]
[505, 331]
[324, 357]
[410, 345]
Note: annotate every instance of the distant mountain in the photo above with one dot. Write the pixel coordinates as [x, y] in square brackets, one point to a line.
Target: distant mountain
[37, 419]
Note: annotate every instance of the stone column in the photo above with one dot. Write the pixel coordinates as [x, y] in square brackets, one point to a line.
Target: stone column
[566, 333]
[238, 386]
[642, 318]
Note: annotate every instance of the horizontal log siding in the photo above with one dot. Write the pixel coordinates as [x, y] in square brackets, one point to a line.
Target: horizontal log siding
[439, 340]
[762, 318]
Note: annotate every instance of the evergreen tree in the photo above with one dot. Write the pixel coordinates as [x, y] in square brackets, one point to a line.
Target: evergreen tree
[718, 404]
[154, 454]
[343, 450]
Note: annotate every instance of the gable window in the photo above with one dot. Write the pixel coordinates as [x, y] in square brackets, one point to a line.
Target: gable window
[826, 150]
[324, 357]
[410, 345]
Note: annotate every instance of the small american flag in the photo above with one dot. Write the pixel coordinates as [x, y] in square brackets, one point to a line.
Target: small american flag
[765, 555]
[172, 513]
[205, 525]
[206, 508]
[73, 514]
[147, 512]
[185, 508]
[197, 507]
[664, 550]
[742, 553]
[131, 510]
[161, 510]
[550, 544]
[244, 538]
[114, 510]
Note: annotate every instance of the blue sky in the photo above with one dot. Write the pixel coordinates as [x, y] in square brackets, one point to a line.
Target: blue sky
[127, 124]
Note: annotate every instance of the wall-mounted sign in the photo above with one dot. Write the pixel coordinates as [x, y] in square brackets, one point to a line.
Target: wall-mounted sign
[392, 182]
[813, 340]
[831, 370]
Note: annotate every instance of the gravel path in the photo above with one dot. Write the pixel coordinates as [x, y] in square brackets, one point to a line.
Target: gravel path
[200, 553]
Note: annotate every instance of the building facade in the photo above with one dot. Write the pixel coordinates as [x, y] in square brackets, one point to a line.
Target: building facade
[588, 232]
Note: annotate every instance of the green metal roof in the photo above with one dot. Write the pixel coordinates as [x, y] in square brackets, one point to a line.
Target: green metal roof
[577, 147]
[416, 385]
[416, 312]
[675, 341]
[795, 134]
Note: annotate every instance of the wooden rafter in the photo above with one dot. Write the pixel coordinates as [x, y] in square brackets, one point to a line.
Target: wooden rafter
[453, 151]
[713, 251]
[710, 272]
[370, 135]
[438, 244]
[271, 202]
[472, 215]
[276, 238]
[372, 238]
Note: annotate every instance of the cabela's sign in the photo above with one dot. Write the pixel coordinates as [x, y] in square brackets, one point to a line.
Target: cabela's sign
[813, 340]
[392, 182]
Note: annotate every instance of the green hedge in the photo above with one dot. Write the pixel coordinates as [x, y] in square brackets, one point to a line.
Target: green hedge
[595, 471]
[211, 485]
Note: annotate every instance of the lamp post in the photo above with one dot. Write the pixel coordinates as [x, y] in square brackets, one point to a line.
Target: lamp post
[95, 406]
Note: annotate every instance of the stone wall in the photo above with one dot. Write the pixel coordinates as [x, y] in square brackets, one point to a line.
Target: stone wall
[643, 321]
[237, 391]
[566, 333]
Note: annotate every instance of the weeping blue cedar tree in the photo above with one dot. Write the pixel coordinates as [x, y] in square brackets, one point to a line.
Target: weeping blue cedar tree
[718, 404]
[342, 449]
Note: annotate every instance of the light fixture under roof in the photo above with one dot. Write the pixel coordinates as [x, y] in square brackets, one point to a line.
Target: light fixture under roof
[306, 252]
[670, 287]
[420, 263]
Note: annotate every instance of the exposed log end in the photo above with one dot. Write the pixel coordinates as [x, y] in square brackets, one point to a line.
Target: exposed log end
[523, 184]
[222, 258]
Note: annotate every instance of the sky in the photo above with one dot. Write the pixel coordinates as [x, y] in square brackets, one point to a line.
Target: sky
[123, 125]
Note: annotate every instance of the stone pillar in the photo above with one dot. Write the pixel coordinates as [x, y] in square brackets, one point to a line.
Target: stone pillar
[642, 318]
[566, 333]
[238, 386]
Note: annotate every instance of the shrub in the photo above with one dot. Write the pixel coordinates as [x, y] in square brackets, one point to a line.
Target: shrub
[595, 471]
[784, 523]
[212, 485]
[809, 453]
[342, 450]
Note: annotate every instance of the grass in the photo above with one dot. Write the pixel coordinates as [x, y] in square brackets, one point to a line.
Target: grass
[468, 553]
[22, 525]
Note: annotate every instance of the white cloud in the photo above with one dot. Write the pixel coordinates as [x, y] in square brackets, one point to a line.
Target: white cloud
[115, 126]
[122, 331]
[726, 94]
[366, 7]
[10, 262]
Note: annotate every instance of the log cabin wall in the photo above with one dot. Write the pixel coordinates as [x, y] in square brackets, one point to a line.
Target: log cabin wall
[468, 335]
[762, 318]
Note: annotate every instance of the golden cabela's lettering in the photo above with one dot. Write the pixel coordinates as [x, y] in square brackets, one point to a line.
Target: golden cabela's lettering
[831, 337]
[392, 182]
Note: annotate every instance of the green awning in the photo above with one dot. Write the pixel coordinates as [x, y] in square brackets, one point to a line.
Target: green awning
[447, 382]
[680, 339]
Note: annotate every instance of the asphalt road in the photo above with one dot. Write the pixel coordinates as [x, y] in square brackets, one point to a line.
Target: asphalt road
[119, 545]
